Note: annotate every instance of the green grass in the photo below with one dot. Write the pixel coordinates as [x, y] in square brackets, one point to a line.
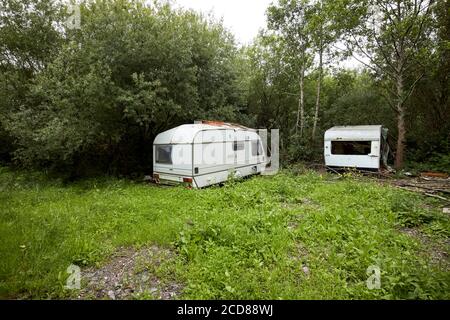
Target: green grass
[246, 240]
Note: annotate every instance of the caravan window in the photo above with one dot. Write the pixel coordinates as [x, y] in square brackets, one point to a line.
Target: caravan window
[256, 148]
[164, 154]
[351, 147]
[238, 145]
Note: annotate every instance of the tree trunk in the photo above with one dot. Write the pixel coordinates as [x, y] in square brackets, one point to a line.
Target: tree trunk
[302, 100]
[319, 88]
[399, 156]
[301, 104]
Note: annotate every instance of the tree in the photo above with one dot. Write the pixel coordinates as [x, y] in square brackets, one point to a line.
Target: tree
[289, 19]
[393, 36]
[29, 41]
[325, 31]
[307, 29]
[131, 71]
[318, 21]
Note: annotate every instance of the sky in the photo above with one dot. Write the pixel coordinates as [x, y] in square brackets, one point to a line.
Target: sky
[243, 18]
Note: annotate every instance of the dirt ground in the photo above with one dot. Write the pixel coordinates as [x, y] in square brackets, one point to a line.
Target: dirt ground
[129, 274]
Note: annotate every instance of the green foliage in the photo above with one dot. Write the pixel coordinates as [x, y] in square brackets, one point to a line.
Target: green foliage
[437, 162]
[28, 42]
[56, 129]
[353, 100]
[349, 97]
[146, 103]
[91, 100]
[27, 37]
[251, 239]
[408, 211]
[129, 73]
[301, 149]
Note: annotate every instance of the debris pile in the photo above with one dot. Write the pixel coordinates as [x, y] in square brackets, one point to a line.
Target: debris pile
[432, 184]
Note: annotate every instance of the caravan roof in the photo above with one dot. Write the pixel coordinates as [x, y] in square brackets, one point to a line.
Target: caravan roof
[187, 133]
[354, 133]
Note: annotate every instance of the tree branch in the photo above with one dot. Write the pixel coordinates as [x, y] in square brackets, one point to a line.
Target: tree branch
[411, 89]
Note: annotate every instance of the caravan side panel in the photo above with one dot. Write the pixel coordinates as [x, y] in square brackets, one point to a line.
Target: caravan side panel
[369, 161]
[220, 153]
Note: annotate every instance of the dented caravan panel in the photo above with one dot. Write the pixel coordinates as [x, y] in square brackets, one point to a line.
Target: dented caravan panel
[205, 154]
[363, 147]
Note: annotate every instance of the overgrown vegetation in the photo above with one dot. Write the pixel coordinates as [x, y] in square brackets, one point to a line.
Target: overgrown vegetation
[305, 236]
[89, 101]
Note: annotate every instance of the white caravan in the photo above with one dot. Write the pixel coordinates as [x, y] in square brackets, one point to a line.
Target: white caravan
[207, 153]
[363, 147]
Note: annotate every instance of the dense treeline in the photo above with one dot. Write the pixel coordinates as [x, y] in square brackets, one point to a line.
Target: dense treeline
[91, 99]
[102, 92]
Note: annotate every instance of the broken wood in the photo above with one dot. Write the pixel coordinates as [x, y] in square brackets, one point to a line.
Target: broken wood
[434, 175]
[436, 196]
[429, 188]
